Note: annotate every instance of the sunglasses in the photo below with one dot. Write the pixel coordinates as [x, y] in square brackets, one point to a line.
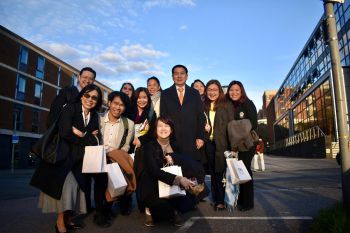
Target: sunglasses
[93, 97]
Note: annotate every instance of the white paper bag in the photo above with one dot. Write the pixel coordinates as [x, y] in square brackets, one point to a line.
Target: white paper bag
[238, 171]
[168, 191]
[116, 180]
[94, 159]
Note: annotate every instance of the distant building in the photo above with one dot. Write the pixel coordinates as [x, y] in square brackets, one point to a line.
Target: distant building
[31, 78]
[304, 105]
[267, 97]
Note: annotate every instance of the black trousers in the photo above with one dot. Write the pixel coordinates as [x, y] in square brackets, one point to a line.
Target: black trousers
[100, 186]
[217, 188]
[246, 190]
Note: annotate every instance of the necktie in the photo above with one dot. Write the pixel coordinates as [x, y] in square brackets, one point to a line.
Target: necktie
[181, 94]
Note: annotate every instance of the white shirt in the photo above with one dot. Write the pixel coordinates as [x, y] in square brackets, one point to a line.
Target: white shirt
[111, 130]
[87, 118]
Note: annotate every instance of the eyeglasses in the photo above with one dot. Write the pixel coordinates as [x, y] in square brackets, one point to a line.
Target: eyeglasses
[93, 97]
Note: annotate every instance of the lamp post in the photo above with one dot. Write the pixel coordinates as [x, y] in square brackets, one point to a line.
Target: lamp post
[340, 98]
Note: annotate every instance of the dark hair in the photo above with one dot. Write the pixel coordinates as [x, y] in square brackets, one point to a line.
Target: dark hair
[167, 121]
[90, 88]
[155, 79]
[88, 69]
[137, 94]
[123, 97]
[132, 87]
[197, 80]
[244, 96]
[221, 99]
[179, 66]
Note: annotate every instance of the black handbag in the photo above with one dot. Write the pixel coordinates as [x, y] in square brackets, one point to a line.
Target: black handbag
[47, 146]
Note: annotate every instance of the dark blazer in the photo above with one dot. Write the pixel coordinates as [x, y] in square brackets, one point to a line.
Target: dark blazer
[220, 136]
[49, 178]
[66, 95]
[189, 119]
[153, 162]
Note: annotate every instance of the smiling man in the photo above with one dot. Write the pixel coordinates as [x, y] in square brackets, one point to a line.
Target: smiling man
[182, 104]
[117, 132]
[69, 94]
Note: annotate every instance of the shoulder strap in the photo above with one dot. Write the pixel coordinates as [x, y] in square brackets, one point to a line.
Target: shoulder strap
[125, 134]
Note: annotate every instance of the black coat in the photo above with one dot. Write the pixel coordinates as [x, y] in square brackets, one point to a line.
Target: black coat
[220, 136]
[189, 119]
[66, 95]
[49, 178]
[153, 162]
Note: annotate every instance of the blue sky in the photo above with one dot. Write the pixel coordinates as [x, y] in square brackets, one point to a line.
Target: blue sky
[253, 41]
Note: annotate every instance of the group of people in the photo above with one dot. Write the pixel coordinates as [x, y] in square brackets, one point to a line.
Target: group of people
[183, 125]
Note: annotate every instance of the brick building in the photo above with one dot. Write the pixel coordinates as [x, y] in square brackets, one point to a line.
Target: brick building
[31, 78]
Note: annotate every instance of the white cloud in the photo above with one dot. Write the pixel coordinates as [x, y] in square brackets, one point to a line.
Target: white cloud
[62, 51]
[183, 27]
[168, 3]
[137, 50]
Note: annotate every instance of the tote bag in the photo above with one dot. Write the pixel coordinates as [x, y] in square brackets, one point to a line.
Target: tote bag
[116, 180]
[169, 191]
[238, 172]
[94, 159]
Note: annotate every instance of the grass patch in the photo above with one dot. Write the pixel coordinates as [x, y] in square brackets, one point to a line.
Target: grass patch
[333, 220]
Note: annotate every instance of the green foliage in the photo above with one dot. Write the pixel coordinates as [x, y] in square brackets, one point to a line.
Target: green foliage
[334, 220]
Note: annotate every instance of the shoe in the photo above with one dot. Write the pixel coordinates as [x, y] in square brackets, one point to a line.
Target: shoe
[149, 221]
[101, 221]
[242, 209]
[57, 231]
[73, 226]
[219, 207]
[177, 220]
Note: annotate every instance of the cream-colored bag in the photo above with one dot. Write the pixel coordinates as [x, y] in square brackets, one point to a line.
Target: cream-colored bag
[169, 191]
[238, 171]
[94, 159]
[116, 180]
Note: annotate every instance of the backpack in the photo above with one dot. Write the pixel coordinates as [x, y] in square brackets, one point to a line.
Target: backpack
[125, 134]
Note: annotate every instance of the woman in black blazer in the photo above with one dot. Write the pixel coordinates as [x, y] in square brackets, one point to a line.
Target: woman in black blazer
[62, 184]
[216, 144]
[157, 154]
[243, 108]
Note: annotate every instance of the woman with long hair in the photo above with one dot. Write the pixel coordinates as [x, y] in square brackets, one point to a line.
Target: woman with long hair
[241, 107]
[216, 145]
[62, 184]
[128, 89]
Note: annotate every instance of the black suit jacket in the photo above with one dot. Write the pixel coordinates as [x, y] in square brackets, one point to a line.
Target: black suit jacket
[153, 162]
[189, 119]
[49, 178]
[66, 95]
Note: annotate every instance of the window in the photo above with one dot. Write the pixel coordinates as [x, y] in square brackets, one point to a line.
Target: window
[105, 96]
[23, 59]
[36, 118]
[20, 87]
[74, 80]
[38, 93]
[18, 118]
[40, 67]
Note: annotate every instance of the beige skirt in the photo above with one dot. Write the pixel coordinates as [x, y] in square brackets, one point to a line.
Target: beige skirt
[73, 198]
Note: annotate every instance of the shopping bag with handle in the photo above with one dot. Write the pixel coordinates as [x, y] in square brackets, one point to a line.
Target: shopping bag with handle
[94, 159]
[169, 191]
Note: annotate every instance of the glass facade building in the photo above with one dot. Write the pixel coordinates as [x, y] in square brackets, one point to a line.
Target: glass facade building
[305, 99]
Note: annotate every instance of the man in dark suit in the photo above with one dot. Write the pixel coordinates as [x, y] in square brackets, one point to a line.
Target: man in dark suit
[68, 94]
[183, 105]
